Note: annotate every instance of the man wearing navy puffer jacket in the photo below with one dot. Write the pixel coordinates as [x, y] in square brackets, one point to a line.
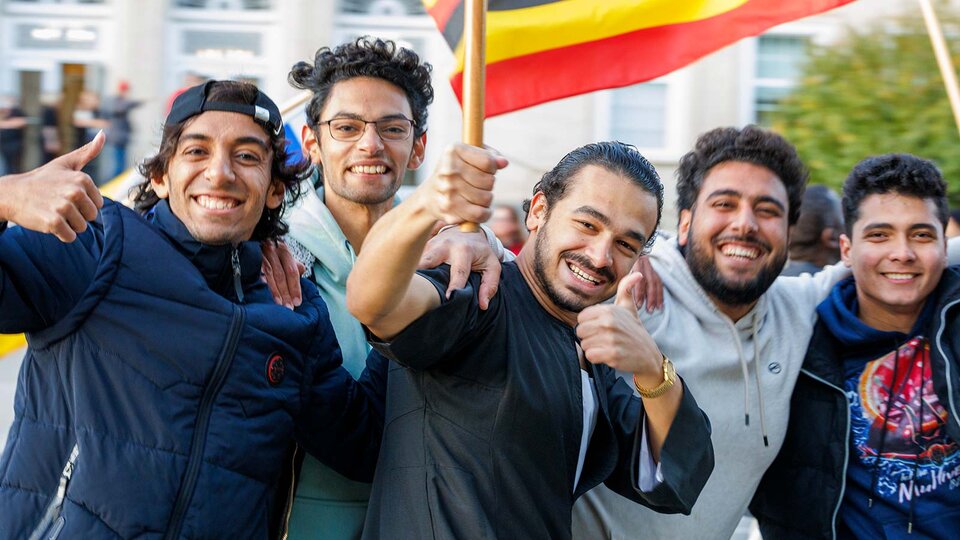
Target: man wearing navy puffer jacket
[163, 389]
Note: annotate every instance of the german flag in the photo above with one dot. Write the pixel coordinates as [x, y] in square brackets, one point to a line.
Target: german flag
[541, 50]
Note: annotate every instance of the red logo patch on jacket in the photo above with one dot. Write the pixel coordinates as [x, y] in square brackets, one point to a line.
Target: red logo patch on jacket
[275, 369]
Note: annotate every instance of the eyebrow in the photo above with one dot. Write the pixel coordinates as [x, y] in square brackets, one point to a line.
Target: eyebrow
[602, 218]
[762, 198]
[239, 140]
[354, 116]
[914, 227]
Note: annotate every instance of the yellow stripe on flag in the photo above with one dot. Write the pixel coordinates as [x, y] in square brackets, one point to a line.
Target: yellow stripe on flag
[518, 32]
[10, 343]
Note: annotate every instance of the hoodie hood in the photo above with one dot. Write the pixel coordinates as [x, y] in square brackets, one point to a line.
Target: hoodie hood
[839, 313]
[687, 290]
[317, 240]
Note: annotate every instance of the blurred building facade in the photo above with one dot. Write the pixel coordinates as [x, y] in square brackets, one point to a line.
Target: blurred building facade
[50, 47]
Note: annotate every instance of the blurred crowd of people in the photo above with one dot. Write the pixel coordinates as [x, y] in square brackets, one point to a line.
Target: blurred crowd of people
[61, 125]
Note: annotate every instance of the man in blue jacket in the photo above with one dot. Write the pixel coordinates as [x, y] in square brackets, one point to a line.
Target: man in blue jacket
[163, 388]
[871, 450]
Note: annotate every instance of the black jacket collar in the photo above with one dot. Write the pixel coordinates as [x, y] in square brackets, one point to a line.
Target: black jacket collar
[213, 262]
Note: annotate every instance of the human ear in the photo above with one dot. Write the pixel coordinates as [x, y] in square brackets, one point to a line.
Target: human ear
[683, 229]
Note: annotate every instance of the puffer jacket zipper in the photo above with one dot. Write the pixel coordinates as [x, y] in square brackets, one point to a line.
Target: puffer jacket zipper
[846, 449]
[199, 441]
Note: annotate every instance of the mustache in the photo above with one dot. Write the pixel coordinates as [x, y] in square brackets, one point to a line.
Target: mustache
[585, 263]
[748, 239]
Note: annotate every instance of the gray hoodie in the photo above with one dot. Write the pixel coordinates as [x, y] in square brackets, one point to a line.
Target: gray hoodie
[742, 374]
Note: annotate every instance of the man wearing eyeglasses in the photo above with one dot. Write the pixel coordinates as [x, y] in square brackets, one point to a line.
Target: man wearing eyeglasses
[366, 127]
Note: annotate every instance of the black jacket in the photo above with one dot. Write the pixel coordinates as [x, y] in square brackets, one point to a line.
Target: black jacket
[800, 494]
[484, 421]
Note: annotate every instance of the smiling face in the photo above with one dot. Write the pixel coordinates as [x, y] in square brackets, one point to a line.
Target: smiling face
[897, 251]
[218, 180]
[736, 234]
[367, 171]
[588, 240]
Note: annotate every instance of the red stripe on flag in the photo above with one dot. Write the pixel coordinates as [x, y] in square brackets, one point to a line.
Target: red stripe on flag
[442, 10]
[629, 58]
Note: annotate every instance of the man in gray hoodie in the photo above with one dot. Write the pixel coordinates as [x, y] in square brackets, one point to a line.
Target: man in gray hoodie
[737, 333]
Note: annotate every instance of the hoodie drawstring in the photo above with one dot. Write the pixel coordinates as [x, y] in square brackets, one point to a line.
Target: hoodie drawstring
[883, 432]
[895, 390]
[918, 433]
[746, 376]
[756, 373]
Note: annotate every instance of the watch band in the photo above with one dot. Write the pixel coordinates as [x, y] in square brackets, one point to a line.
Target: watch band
[669, 378]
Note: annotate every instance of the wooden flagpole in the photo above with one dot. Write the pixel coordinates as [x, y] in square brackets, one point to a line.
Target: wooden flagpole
[943, 58]
[474, 77]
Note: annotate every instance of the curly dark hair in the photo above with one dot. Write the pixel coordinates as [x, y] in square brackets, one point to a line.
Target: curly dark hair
[287, 167]
[365, 57]
[750, 144]
[615, 156]
[903, 174]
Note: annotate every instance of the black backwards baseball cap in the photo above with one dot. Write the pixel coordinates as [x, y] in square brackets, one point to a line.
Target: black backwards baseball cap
[193, 101]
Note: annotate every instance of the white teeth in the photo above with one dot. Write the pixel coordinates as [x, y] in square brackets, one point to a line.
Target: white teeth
[738, 251]
[215, 203]
[369, 169]
[899, 276]
[580, 274]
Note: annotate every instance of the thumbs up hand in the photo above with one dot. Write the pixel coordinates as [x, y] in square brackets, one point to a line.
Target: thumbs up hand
[56, 198]
[612, 334]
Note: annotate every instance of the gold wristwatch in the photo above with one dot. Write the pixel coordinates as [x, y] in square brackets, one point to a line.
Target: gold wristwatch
[669, 378]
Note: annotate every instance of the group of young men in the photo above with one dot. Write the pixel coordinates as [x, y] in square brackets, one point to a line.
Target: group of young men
[182, 381]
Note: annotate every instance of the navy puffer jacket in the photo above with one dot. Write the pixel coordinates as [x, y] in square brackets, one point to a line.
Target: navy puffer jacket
[161, 393]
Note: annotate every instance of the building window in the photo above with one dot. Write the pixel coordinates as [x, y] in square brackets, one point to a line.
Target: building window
[638, 115]
[53, 36]
[779, 65]
[233, 5]
[222, 45]
[382, 7]
[58, 1]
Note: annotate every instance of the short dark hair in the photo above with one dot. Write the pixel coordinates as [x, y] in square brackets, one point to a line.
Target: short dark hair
[903, 174]
[286, 168]
[751, 145]
[820, 210]
[365, 57]
[614, 156]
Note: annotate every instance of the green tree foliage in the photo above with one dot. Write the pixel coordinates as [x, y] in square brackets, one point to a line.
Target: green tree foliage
[876, 90]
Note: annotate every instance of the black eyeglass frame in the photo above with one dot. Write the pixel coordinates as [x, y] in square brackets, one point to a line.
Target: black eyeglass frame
[413, 127]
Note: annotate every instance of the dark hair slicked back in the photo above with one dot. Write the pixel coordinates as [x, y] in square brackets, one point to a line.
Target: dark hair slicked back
[365, 57]
[614, 156]
[750, 145]
[903, 174]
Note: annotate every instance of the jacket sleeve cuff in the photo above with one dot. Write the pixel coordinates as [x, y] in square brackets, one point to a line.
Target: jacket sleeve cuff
[686, 459]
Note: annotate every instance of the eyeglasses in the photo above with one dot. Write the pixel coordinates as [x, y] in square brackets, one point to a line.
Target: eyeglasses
[351, 129]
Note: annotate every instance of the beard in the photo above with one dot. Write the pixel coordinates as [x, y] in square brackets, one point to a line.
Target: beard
[572, 301]
[729, 292]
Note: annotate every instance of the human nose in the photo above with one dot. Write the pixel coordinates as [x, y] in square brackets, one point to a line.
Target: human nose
[902, 251]
[600, 253]
[745, 221]
[370, 139]
[219, 168]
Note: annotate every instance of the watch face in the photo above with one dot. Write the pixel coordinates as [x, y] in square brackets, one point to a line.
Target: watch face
[669, 372]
